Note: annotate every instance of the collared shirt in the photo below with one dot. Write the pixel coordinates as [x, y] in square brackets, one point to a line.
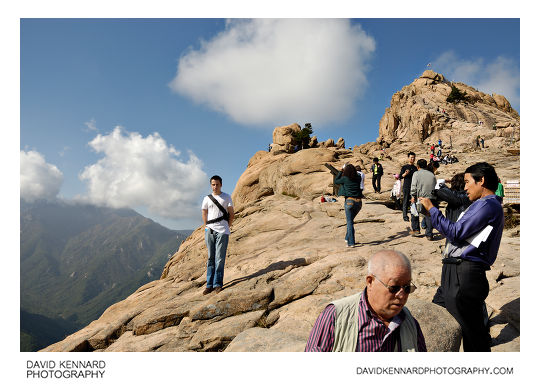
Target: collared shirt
[481, 213]
[373, 335]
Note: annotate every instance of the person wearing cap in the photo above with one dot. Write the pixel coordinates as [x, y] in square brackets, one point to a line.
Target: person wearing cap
[375, 319]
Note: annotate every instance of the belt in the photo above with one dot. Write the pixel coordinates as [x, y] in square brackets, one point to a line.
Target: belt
[452, 261]
[358, 199]
[457, 261]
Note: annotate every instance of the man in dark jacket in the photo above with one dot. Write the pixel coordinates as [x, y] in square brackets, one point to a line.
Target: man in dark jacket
[455, 196]
[406, 174]
[349, 182]
[377, 170]
[473, 244]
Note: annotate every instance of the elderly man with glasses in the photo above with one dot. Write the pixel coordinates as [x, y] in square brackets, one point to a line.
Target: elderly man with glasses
[376, 319]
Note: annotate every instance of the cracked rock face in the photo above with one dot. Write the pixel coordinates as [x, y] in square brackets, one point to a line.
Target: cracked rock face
[287, 258]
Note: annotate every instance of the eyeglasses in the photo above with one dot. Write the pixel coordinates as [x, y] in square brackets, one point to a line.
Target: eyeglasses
[394, 289]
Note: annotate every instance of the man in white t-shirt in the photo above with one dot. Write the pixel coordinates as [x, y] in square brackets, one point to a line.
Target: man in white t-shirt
[217, 221]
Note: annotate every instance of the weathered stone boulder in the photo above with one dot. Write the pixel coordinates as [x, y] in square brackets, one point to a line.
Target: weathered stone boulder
[283, 139]
[502, 103]
[441, 331]
[297, 175]
[327, 143]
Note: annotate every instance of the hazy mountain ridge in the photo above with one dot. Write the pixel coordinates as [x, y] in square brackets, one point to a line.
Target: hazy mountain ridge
[76, 260]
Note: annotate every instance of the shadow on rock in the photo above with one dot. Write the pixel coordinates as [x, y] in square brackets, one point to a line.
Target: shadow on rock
[281, 265]
[393, 237]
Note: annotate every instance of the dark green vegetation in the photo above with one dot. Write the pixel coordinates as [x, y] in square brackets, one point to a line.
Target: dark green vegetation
[77, 260]
[302, 137]
[456, 95]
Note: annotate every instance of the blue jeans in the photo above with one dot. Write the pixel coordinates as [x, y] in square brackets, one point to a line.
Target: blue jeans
[352, 208]
[217, 248]
[415, 224]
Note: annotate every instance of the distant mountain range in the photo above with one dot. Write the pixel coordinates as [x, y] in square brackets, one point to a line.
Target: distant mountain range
[77, 260]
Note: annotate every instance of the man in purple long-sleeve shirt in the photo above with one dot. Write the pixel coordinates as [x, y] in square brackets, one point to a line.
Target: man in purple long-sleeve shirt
[473, 243]
[376, 319]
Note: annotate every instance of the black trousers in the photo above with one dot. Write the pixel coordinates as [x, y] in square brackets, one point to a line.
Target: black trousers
[464, 287]
[376, 182]
[406, 199]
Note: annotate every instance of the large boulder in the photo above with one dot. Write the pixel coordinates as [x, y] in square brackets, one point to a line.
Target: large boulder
[283, 139]
[441, 331]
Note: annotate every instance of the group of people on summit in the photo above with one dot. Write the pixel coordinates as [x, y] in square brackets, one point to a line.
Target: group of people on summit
[377, 319]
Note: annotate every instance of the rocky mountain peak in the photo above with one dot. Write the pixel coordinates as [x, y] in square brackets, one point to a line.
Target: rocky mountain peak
[420, 110]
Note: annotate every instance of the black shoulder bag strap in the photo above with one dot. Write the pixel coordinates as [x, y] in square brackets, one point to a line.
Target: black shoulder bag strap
[225, 215]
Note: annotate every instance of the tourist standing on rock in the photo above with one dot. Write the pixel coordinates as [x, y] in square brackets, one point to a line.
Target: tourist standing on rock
[473, 243]
[362, 177]
[377, 170]
[406, 174]
[455, 196]
[396, 192]
[217, 215]
[500, 190]
[482, 141]
[433, 167]
[350, 188]
[376, 319]
[422, 185]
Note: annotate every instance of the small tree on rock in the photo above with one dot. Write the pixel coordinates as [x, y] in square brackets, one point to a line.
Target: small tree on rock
[456, 95]
[302, 137]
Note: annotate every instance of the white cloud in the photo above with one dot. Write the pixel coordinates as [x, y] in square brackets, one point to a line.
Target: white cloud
[91, 125]
[501, 76]
[144, 172]
[39, 179]
[279, 71]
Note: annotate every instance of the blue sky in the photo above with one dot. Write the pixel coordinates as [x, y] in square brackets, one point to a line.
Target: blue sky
[141, 112]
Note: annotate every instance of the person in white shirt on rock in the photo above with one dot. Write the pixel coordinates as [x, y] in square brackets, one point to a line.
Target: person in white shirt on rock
[217, 215]
[362, 177]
